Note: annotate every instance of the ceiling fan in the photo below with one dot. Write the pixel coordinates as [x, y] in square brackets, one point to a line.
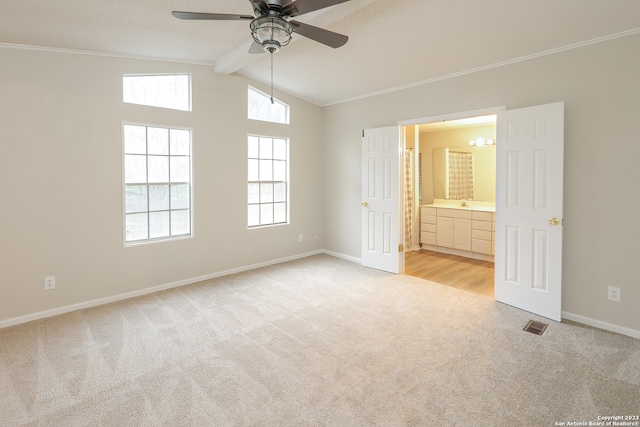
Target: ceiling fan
[271, 26]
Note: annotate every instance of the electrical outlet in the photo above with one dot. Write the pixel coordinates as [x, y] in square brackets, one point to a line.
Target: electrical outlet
[300, 238]
[49, 283]
[614, 294]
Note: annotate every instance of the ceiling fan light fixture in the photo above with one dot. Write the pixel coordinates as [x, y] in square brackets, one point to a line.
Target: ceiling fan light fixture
[271, 32]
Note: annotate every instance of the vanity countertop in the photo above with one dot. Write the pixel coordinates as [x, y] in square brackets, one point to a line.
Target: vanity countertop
[469, 207]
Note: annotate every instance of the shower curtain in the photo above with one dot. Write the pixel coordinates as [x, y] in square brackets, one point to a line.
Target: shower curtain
[460, 175]
[408, 198]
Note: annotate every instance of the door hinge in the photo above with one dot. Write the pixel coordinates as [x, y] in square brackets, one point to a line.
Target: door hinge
[400, 247]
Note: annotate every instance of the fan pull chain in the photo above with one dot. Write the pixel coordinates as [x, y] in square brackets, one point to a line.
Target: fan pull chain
[271, 53]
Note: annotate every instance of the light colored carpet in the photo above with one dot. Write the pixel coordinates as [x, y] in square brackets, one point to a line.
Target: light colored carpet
[317, 341]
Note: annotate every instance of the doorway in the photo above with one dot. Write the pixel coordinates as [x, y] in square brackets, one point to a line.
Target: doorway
[527, 224]
[430, 139]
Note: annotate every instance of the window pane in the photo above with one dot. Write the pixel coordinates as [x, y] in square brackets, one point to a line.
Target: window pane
[135, 139]
[158, 224]
[135, 169]
[266, 193]
[253, 170]
[158, 168]
[280, 149]
[259, 107]
[158, 197]
[253, 215]
[180, 144]
[280, 192]
[267, 180]
[157, 141]
[153, 207]
[266, 214]
[180, 196]
[166, 91]
[179, 169]
[266, 148]
[266, 170]
[279, 212]
[254, 152]
[136, 227]
[180, 223]
[135, 198]
[279, 170]
[254, 193]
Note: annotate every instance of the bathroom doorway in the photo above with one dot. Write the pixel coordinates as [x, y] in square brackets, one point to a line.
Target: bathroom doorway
[425, 144]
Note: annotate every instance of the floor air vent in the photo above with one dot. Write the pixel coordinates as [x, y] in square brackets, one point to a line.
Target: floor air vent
[534, 327]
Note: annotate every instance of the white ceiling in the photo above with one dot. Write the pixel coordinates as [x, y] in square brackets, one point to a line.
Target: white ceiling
[392, 43]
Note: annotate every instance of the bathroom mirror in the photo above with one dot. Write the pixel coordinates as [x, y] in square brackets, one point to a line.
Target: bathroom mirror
[439, 138]
[464, 173]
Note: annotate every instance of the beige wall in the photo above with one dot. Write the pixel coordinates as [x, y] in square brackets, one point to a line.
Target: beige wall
[61, 169]
[600, 87]
[61, 172]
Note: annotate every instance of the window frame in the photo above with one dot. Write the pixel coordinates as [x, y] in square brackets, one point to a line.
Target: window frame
[189, 89]
[287, 181]
[275, 100]
[169, 238]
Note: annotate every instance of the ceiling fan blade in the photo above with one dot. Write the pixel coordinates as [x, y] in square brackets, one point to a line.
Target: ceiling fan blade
[210, 16]
[260, 5]
[298, 7]
[320, 35]
[256, 48]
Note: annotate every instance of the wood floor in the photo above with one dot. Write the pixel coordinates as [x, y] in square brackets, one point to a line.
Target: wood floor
[451, 270]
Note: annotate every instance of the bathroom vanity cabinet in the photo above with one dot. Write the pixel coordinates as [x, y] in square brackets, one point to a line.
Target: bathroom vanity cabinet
[453, 229]
[462, 231]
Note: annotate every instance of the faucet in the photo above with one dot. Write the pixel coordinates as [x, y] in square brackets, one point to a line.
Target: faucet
[463, 202]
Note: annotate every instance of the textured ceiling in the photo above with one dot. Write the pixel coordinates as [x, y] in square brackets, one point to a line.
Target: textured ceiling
[392, 43]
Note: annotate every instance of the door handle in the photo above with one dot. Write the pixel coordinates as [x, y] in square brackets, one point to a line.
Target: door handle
[365, 204]
[554, 221]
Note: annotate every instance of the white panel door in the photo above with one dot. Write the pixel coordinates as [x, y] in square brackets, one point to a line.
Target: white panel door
[381, 207]
[529, 180]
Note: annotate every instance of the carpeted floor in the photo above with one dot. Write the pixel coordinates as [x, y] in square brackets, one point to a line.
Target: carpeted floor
[317, 341]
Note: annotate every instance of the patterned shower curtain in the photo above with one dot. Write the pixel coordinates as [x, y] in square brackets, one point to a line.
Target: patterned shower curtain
[460, 175]
[408, 198]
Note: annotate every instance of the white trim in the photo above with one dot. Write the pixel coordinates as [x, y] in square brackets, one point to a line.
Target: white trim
[453, 116]
[342, 256]
[93, 303]
[102, 54]
[601, 325]
[490, 66]
[343, 101]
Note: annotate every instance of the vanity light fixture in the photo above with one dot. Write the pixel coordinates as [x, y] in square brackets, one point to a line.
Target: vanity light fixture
[480, 142]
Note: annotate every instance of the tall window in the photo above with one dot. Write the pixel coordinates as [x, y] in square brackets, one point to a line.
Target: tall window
[268, 191]
[157, 183]
[158, 90]
[260, 107]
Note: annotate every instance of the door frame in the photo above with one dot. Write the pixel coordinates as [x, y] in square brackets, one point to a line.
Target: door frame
[446, 117]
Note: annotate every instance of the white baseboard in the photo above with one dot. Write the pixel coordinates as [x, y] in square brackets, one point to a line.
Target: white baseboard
[343, 256]
[140, 292]
[601, 325]
[93, 303]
